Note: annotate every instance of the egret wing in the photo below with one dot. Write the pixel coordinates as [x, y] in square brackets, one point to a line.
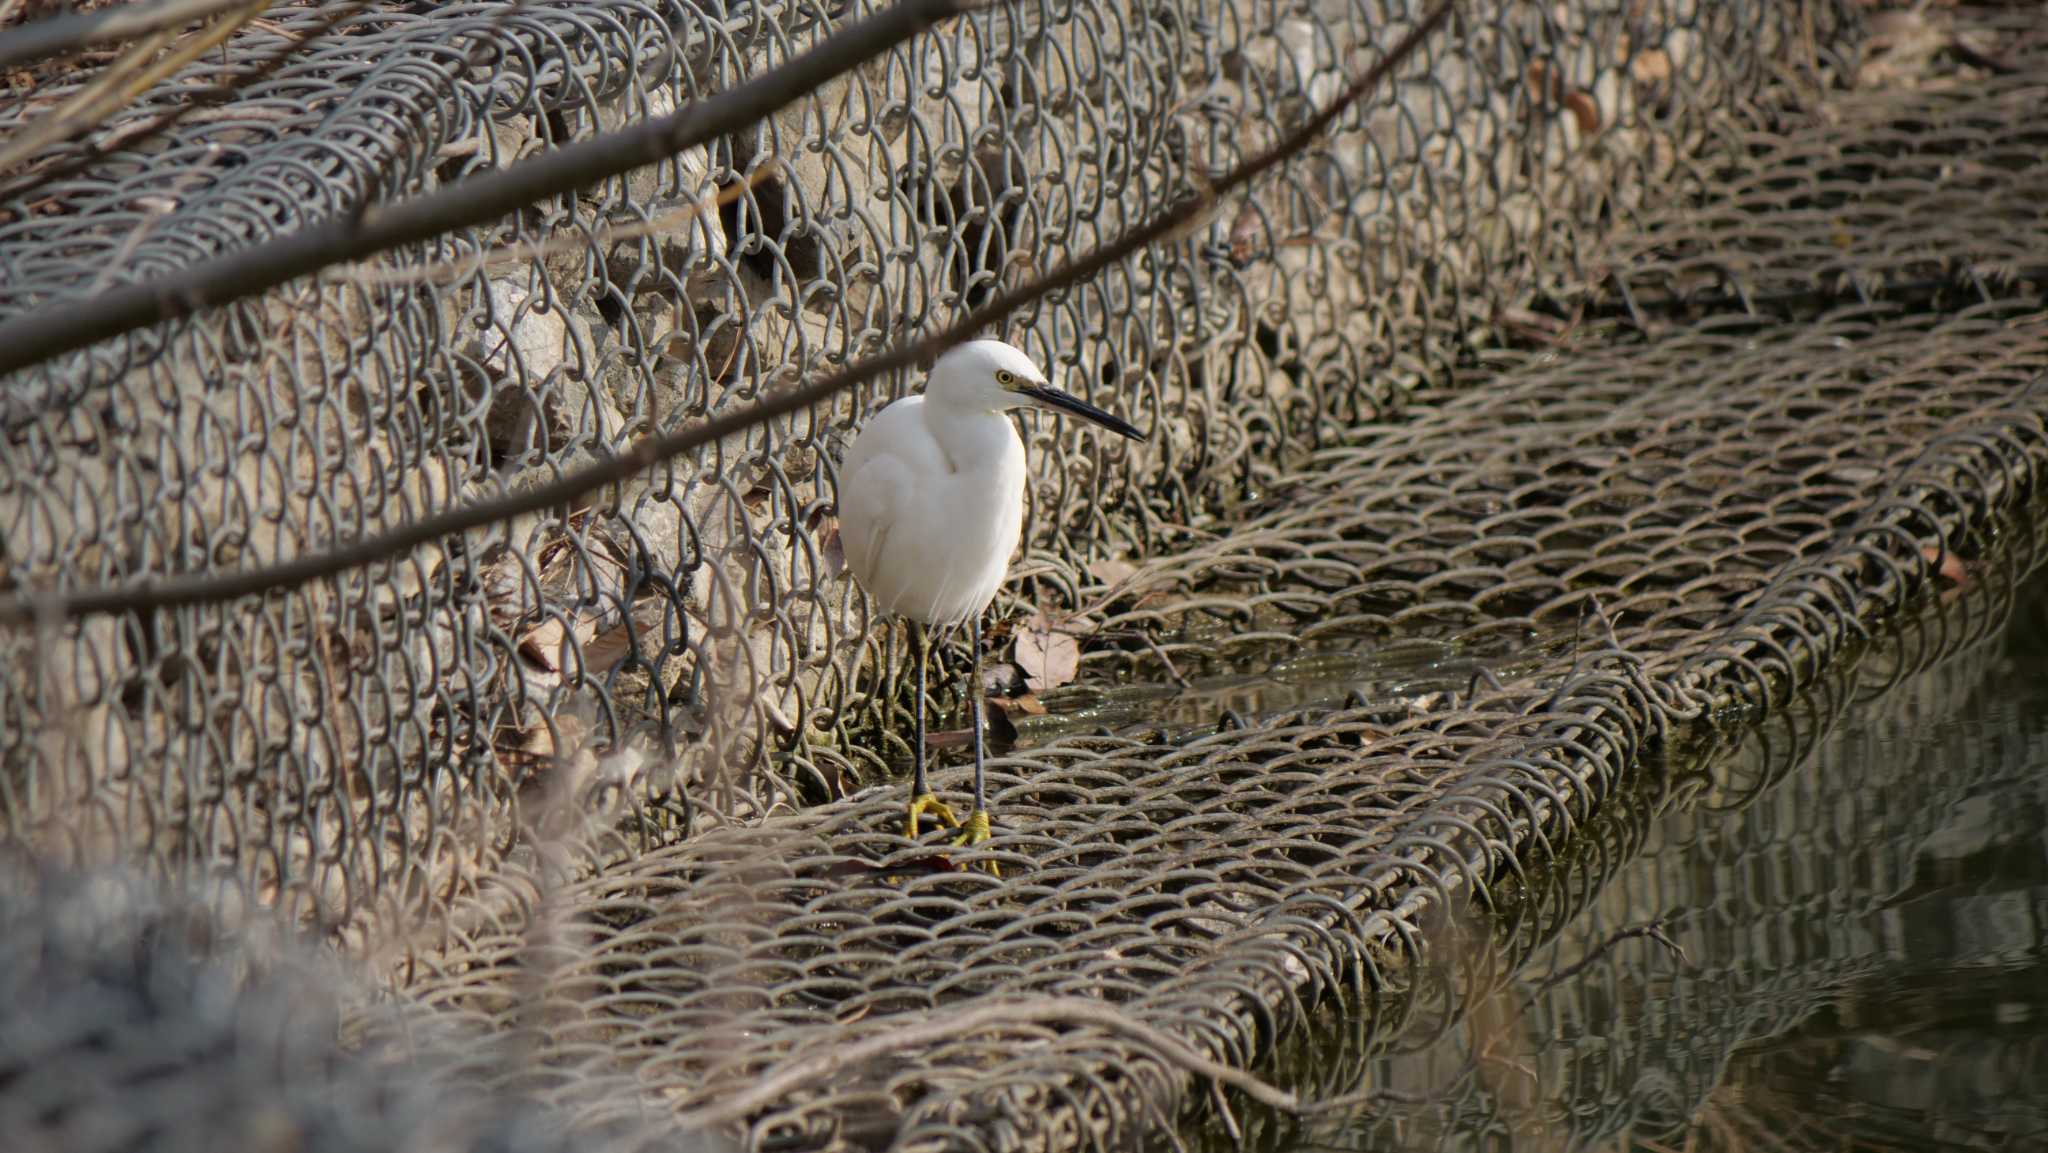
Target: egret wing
[871, 500]
[876, 481]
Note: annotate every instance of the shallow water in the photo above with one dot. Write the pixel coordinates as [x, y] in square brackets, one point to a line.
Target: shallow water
[1834, 937]
[1412, 675]
[1840, 942]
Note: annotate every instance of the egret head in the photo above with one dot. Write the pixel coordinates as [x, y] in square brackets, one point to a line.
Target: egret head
[990, 376]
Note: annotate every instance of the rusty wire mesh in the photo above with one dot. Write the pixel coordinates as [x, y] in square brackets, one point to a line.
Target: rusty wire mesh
[384, 726]
[599, 779]
[1786, 880]
[1220, 884]
[137, 1019]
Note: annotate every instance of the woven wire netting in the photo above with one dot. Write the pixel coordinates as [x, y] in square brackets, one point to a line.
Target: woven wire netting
[138, 1019]
[1801, 887]
[380, 729]
[1553, 358]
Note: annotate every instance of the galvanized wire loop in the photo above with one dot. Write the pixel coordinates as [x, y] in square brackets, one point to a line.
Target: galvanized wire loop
[640, 746]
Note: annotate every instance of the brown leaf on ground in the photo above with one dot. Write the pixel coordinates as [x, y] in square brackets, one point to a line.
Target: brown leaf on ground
[1049, 657]
[1651, 67]
[1584, 110]
[542, 644]
[1001, 679]
[831, 552]
[1112, 572]
[1022, 706]
[602, 654]
[1947, 565]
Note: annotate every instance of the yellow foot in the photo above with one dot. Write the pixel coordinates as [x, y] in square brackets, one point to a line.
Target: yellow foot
[940, 811]
[974, 832]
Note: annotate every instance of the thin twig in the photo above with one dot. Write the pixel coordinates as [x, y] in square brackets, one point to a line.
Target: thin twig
[130, 76]
[63, 326]
[83, 29]
[149, 594]
[1146, 638]
[1359, 1099]
[1079, 1011]
[1171, 671]
[1651, 930]
[458, 268]
[198, 99]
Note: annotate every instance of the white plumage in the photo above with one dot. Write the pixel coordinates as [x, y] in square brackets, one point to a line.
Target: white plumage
[931, 499]
[931, 495]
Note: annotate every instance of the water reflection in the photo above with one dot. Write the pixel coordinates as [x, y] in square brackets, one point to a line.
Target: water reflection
[1413, 674]
[1842, 950]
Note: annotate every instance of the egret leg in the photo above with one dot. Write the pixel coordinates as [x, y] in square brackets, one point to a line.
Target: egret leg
[977, 829]
[922, 799]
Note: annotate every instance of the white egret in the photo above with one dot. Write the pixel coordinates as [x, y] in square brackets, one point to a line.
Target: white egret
[931, 500]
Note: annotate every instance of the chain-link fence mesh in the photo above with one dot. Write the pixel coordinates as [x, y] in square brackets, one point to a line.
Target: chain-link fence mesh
[1805, 896]
[696, 617]
[598, 778]
[136, 1020]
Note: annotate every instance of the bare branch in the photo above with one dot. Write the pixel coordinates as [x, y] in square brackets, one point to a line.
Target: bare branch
[1651, 930]
[130, 137]
[134, 73]
[460, 267]
[83, 29]
[149, 594]
[67, 325]
[1076, 1011]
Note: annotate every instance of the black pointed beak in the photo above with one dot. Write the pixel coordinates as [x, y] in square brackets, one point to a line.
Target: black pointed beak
[1050, 397]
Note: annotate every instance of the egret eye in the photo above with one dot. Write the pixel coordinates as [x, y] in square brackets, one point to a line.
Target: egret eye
[1005, 377]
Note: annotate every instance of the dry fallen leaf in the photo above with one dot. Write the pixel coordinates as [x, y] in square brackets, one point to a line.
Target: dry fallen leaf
[1583, 110]
[1651, 67]
[1001, 679]
[831, 552]
[1049, 657]
[1947, 565]
[1244, 233]
[602, 654]
[1023, 706]
[948, 738]
[1112, 572]
[542, 644]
